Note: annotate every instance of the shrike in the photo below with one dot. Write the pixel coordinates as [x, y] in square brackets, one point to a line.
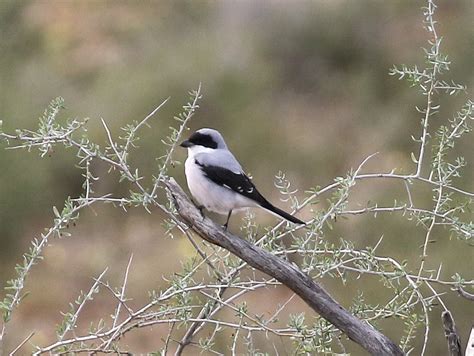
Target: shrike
[216, 179]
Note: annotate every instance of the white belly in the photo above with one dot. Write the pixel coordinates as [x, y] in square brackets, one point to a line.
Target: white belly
[210, 195]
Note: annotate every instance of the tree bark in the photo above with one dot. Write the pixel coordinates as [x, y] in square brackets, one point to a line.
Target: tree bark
[454, 342]
[311, 292]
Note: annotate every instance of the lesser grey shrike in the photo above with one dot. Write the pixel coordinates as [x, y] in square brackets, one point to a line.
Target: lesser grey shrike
[216, 179]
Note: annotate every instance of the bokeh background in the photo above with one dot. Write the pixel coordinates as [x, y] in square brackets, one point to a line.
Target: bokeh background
[299, 86]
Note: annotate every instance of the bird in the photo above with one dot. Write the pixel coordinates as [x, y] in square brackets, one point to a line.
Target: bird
[217, 181]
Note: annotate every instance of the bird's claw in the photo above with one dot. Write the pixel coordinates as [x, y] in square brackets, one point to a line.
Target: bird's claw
[201, 210]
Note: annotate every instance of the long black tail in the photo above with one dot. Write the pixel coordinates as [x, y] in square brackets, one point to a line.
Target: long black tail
[273, 209]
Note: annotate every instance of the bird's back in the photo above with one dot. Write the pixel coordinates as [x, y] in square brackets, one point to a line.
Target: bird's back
[221, 158]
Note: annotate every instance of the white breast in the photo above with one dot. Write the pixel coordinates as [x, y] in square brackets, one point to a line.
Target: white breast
[213, 197]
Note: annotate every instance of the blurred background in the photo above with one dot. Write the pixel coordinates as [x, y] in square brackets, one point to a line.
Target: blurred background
[301, 87]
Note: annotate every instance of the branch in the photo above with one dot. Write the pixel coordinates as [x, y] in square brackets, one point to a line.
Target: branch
[285, 272]
[454, 343]
[465, 294]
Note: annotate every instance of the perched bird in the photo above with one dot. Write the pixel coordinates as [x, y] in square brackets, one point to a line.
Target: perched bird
[216, 179]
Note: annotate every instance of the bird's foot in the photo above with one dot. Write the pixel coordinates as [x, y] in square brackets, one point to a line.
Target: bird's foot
[227, 222]
[201, 210]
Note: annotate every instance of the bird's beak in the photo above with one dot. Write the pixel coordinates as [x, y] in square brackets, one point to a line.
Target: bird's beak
[186, 144]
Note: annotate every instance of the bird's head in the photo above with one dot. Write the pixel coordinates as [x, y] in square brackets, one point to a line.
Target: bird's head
[203, 140]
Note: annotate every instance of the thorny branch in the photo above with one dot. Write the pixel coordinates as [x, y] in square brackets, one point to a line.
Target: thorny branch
[306, 288]
[196, 304]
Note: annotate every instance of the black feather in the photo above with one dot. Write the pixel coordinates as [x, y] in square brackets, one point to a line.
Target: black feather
[240, 183]
[200, 139]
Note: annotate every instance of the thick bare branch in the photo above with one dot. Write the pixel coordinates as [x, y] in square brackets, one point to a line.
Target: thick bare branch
[311, 292]
[454, 342]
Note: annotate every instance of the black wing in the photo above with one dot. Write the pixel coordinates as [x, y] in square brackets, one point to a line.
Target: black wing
[238, 182]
